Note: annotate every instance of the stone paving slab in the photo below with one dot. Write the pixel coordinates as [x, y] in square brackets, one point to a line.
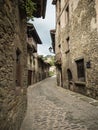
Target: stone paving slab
[92, 101]
[54, 108]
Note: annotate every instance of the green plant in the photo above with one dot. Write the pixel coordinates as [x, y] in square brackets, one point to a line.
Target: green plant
[29, 6]
[51, 73]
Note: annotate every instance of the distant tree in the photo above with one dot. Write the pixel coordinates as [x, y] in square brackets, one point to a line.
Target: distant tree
[45, 58]
[51, 63]
[41, 56]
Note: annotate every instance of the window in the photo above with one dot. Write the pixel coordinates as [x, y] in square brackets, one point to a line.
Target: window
[34, 60]
[59, 25]
[18, 68]
[67, 14]
[59, 46]
[67, 45]
[30, 59]
[80, 69]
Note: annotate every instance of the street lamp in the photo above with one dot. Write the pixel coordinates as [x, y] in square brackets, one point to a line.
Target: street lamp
[51, 50]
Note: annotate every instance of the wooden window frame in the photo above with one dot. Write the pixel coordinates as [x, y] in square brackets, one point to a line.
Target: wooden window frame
[80, 69]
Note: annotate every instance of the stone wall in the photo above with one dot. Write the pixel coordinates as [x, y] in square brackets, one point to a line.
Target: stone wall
[84, 40]
[82, 30]
[43, 69]
[12, 37]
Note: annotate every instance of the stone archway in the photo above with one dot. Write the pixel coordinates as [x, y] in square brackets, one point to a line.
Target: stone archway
[69, 73]
[70, 80]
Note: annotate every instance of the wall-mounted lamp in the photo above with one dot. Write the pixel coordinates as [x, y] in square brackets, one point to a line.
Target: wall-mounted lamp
[88, 64]
[51, 50]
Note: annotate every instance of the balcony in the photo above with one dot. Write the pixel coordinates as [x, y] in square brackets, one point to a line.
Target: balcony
[32, 45]
[58, 59]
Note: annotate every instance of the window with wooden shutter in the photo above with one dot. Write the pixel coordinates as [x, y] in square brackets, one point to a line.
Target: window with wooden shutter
[80, 69]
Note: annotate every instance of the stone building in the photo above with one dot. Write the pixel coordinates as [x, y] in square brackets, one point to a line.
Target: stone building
[32, 41]
[37, 68]
[13, 62]
[58, 62]
[76, 45]
[43, 69]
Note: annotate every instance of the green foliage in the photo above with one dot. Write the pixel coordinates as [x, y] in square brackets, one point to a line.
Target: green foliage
[30, 8]
[51, 73]
[41, 56]
[49, 59]
[51, 63]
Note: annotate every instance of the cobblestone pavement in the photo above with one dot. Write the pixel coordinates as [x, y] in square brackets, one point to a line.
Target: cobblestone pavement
[54, 108]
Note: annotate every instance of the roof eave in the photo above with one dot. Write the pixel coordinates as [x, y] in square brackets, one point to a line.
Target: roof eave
[40, 8]
[54, 2]
[34, 33]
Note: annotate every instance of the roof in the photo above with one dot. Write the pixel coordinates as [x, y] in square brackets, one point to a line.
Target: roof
[54, 2]
[40, 8]
[31, 32]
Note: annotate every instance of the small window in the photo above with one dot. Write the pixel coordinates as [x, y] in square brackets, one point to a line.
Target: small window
[59, 45]
[80, 69]
[67, 14]
[34, 61]
[59, 23]
[18, 67]
[30, 59]
[67, 45]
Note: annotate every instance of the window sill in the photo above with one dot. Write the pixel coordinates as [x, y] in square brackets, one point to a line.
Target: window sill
[67, 51]
[80, 83]
[71, 82]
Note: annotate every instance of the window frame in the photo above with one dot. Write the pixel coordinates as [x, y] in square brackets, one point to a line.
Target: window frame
[80, 69]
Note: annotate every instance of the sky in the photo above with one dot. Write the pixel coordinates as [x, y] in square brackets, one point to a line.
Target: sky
[43, 27]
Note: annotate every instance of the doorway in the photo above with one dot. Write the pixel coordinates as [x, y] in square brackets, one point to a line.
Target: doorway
[70, 80]
[29, 77]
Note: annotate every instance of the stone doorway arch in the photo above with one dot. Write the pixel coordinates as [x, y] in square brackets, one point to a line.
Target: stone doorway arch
[70, 80]
[69, 73]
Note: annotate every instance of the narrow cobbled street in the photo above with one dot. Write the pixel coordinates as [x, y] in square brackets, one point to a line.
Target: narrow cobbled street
[54, 108]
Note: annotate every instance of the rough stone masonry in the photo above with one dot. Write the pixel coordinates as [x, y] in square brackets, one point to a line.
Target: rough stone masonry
[77, 40]
[13, 70]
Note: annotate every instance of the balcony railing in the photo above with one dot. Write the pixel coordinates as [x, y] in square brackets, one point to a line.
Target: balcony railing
[58, 58]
